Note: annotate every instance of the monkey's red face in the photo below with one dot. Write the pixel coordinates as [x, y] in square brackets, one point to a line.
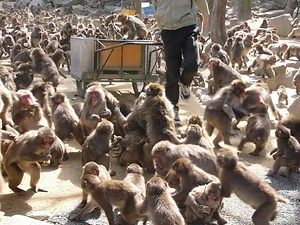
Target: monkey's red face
[48, 141]
[94, 95]
[211, 64]
[26, 100]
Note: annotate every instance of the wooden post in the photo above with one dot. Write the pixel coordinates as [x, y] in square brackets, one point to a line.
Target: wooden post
[138, 7]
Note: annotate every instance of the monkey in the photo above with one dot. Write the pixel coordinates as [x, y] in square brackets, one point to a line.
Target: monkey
[205, 55]
[296, 81]
[8, 42]
[109, 19]
[135, 175]
[293, 50]
[16, 49]
[218, 52]
[228, 47]
[204, 202]
[237, 49]
[252, 190]
[58, 56]
[287, 153]
[221, 111]
[23, 78]
[282, 95]
[254, 96]
[93, 169]
[98, 104]
[6, 100]
[173, 180]
[25, 154]
[41, 63]
[264, 24]
[223, 74]
[52, 46]
[257, 130]
[7, 78]
[135, 26]
[293, 123]
[263, 64]
[195, 134]
[23, 56]
[27, 113]
[190, 176]
[159, 205]
[248, 42]
[98, 144]
[158, 113]
[231, 32]
[58, 152]
[108, 193]
[166, 153]
[24, 42]
[278, 49]
[66, 31]
[263, 50]
[65, 120]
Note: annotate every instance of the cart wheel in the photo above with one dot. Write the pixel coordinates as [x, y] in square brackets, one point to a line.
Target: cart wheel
[138, 87]
[81, 88]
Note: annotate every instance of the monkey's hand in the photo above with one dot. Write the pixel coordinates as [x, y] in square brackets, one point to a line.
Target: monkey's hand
[95, 117]
[166, 131]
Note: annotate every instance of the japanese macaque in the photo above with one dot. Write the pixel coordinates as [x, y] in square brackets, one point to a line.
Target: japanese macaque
[58, 152]
[135, 175]
[6, 100]
[237, 178]
[221, 109]
[166, 153]
[16, 49]
[278, 49]
[282, 95]
[287, 153]
[218, 52]
[108, 193]
[24, 156]
[65, 120]
[263, 64]
[204, 202]
[195, 134]
[158, 113]
[296, 81]
[260, 49]
[205, 54]
[98, 144]
[257, 130]
[24, 77]
[94, 108]
[135, 26]
[223, 75]
[42, 91]
[27, 113]
[190, 176]
[159, 205]
[7, 78]
[41, 63]
[228, 47]
[293, 123]
[173, 180]
[66, 31]
[97, 170]
[237, 49]
[248, 42]
[8, 42]
[293, 50]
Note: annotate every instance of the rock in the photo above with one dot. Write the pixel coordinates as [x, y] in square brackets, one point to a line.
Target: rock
[59, 3]
[294, 109]
[283, 23]
[81, 10]
[19, 219]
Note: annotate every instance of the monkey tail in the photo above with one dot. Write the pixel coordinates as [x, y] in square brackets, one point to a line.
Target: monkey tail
[282, 199]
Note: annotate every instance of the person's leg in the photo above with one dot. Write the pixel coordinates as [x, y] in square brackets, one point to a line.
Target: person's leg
[173, 59]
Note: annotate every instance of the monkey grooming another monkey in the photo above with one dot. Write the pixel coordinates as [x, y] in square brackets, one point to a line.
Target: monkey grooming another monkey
[24, 156]
[159, 205]
[237, 178]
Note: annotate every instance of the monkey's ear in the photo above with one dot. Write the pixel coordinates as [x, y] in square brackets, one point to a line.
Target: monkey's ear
[166, 184]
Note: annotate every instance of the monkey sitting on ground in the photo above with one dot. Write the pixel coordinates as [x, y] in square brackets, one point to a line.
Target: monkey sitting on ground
[296, 81]
[257, 130]
[287, 153]
[204, 202]
[94, 169]
[237, 178]
[159, 205]
[135, 175]
[24, 156]
[282, 95]
[135, 26]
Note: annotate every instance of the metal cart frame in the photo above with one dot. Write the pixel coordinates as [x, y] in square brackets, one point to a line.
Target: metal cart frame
[106, 60]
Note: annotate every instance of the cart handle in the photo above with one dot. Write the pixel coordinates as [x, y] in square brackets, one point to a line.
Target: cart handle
[127, 43]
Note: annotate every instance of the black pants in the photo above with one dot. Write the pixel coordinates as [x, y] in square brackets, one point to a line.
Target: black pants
[180, 46]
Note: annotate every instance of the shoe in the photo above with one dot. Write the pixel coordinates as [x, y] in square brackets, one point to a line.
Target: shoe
[176, 116]
[185, 91]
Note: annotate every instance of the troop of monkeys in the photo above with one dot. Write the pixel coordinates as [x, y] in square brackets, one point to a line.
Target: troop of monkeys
[37, 119]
